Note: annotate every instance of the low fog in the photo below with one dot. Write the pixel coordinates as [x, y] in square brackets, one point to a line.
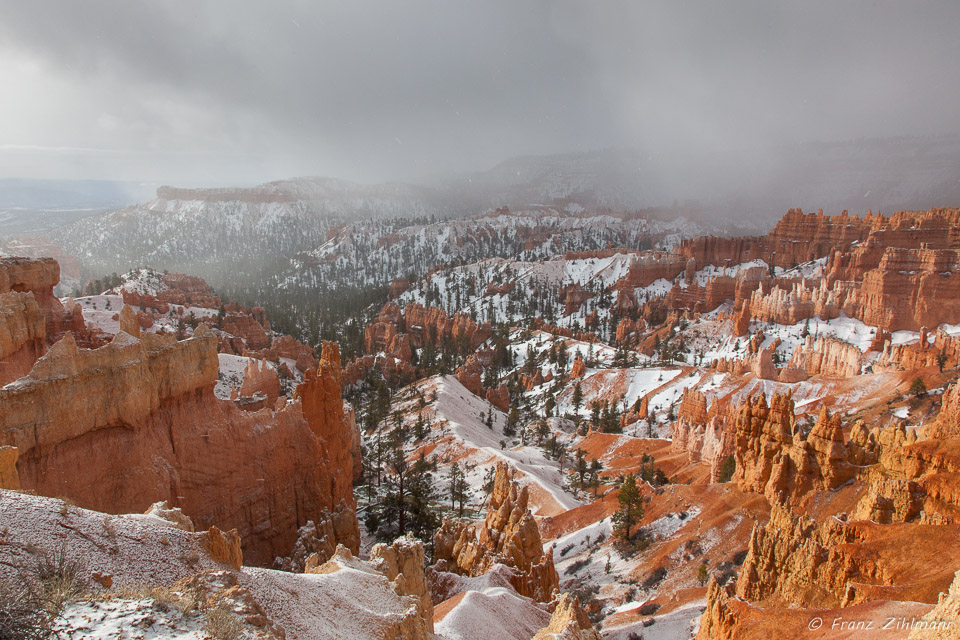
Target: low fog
[224, 92]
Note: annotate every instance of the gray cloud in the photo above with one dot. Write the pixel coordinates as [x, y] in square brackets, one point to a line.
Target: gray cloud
[228, 91]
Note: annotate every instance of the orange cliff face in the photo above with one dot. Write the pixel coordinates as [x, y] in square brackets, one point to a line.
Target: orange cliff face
[31, 317]
[774, 458]
[896, 273]
[320, 395]
[509, 535]
[135, 422]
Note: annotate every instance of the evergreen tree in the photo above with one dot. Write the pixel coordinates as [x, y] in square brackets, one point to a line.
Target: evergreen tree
[423, 519]
[702, 574]
[727, 467]
[631, 507]
[581, 467]
[595, 468]
[918, 388]
[459, 489]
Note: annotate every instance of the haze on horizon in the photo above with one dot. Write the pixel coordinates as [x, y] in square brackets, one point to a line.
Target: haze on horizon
[217, 91]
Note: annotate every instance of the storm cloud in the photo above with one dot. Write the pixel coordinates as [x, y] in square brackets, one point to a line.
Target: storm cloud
[243, 92]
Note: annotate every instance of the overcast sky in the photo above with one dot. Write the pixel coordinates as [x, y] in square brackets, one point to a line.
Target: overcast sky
[232, 91]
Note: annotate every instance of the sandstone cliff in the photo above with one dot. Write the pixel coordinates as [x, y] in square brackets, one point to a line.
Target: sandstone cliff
[31, 317]
[9, 478]
[775, 459]
[836, 563]
[135, 422]
[703, 436]
[568, 622]
[829, 357]
[509, 536]
[943, 623]
[23, 334]
[402, 562]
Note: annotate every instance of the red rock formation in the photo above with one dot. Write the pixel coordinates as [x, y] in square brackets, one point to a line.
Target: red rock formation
[259, 378]
[568, 622]
[145, 301]
[321, 396]
[402, 562]
[910, 289]
[626, 330]
[39, 277]
[703, 436]
[573, 296]
[9, 479]
[188, 290]
[135, 422]
[579, 368]
[720, 252]
[23, 334]
[31, 317]
[499, 397]
[648, 267]
[837, 564]
[693, 407]
[246, 327]
[397, 332]
[741, 322]
[782, 306]
[224, 548]
[917, 355]
[775, 459]
[829, 357]
[285, 346]
[397, 287]
[910, 479]
[896, 275]
[800, 237]
[943, 621]
[947, 424]
[509, 536]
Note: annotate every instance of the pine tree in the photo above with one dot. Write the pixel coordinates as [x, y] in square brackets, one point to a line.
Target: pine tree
[595, 468]
[459, 489]
[631, 507]
[581, 467]
[423, 518]
[543, 430]
[918, 388]
[577, 398]
[702, 574]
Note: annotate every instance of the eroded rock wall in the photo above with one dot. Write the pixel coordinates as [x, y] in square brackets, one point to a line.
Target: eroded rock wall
[136, 422]
[509, 535]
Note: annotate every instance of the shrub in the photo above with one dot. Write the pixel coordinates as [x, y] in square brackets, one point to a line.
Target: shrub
[727, 468]
[917, 388]
[648, 609]
[576, 565]
[222, 624]
[58, 578]
[655, 578]
[24, 613]
[166, 599]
